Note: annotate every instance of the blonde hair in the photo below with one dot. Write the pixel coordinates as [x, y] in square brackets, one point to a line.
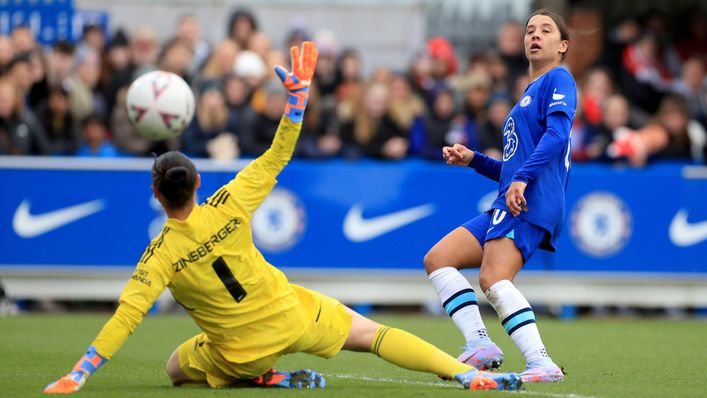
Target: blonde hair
[364, 123]
[213, 68]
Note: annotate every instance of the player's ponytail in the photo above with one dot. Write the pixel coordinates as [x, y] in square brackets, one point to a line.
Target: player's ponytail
[174, 176]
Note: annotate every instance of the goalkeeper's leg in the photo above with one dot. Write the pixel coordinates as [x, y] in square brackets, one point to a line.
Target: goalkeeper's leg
[411, 352]
[177, 375]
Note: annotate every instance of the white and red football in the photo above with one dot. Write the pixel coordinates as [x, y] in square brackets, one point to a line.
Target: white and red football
[160, 105]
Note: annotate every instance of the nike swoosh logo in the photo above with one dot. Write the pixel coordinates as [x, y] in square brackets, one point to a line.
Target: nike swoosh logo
[27, 225]
[557, 97]
[684, 234]
[358, 229]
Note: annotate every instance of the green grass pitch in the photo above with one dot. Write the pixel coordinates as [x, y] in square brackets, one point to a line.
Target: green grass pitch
[608, 358]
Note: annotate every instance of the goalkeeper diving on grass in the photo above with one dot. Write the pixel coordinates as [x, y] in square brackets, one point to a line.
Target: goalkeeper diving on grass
[249, 313]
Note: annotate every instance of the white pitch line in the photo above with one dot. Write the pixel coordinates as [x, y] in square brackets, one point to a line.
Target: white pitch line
[447, 385]
[387, 380]
[555, 395]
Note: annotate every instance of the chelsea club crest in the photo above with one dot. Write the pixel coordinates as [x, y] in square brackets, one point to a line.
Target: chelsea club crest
[279, 222]
[601, 224]
[525, 101]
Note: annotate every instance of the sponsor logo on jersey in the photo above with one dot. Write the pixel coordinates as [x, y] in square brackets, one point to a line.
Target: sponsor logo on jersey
[525, 101]
[359, 229]
[142, 276]
[556, 96]
[601, 224]
[552, 104]
[279, 222]
[683, 233]
[557, 99]
[510, 138]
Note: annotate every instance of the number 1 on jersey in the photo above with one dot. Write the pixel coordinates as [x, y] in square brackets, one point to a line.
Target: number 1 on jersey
[229, 280]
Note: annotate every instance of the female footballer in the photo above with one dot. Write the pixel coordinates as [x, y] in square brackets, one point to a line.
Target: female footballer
[248, 311]
[527, 214]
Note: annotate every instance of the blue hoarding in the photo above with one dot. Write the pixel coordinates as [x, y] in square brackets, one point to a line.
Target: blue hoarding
[339, 215]
[49, 20]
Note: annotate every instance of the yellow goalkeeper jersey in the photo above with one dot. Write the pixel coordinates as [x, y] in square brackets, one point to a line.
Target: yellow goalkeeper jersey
[247, 307]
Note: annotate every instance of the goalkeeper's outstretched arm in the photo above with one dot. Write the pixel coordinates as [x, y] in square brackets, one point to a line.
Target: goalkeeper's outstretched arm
[297, 83]
[112, 336]
[253, 184]
[138, 296]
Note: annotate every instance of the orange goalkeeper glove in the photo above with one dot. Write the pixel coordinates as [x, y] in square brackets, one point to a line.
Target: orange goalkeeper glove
[298, 81]
[73, 381]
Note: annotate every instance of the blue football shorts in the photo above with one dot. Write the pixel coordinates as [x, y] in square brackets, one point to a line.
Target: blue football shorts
[499, 223]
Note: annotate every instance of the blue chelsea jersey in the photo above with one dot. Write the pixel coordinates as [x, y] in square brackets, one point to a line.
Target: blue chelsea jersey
[555, 91]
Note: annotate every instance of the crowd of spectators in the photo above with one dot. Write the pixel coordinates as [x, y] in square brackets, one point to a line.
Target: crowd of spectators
[644, 99]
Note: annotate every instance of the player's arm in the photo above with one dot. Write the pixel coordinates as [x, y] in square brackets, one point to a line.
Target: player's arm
[137, 298]
[463, 156]
[559, 108]
[254, 182]
[297, 84]
[552, 145]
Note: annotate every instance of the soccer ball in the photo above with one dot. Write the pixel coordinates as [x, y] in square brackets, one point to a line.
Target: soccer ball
[160, 105]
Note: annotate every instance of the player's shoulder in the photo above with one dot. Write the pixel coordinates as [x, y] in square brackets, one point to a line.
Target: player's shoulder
[561, 75]
[156, 247]
[559, 85]
[221, 197]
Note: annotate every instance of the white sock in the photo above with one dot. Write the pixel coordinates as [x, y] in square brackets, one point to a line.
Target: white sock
[459, 300]
[517, 318]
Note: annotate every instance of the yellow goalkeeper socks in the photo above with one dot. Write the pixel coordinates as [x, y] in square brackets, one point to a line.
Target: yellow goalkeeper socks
[411, 352]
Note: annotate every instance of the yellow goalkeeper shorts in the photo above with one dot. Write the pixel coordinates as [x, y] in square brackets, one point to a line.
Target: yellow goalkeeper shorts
[330, 324]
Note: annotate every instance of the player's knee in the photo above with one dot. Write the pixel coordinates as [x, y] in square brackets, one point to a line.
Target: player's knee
[487, 278]
[174, 372]
[172, 375]
[361, 334]
[175, 382]
[433, 261]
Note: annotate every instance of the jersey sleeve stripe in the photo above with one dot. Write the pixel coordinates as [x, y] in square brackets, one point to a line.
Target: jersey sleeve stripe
[212, 198]
[223, 199]
[151, 248]
[217, 198]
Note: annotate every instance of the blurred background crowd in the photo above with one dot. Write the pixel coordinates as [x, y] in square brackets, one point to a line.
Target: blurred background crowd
[642, 99]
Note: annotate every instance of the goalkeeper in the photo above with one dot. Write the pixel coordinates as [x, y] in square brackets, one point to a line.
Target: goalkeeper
[248, 312]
